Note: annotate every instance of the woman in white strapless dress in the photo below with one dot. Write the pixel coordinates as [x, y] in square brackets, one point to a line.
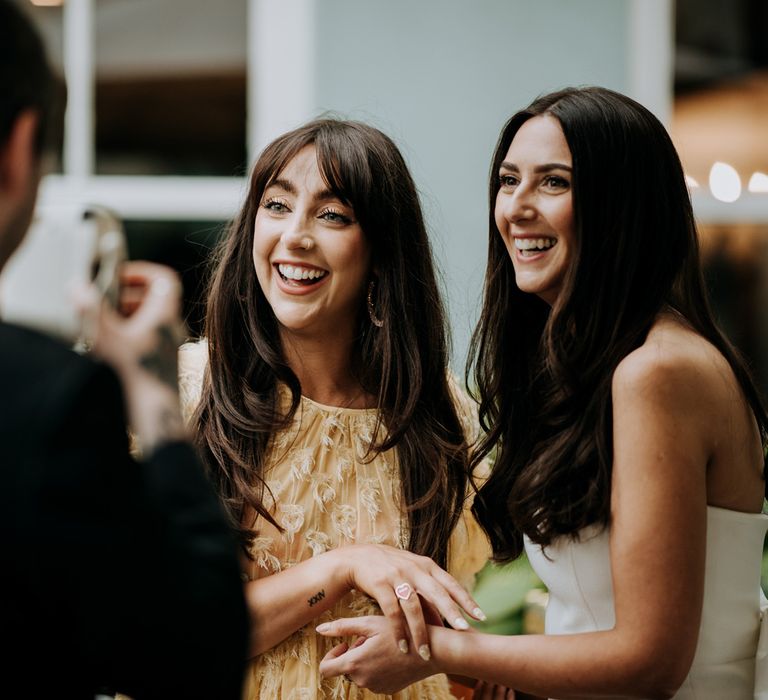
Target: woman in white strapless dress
[628, 435]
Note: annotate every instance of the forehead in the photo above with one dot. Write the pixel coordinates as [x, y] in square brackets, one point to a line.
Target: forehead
[539, 140]
[302, 168]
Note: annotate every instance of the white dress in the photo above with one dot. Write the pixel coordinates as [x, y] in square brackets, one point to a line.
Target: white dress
[578, 576]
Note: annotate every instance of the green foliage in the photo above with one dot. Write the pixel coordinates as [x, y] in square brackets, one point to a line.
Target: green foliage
[500, 591]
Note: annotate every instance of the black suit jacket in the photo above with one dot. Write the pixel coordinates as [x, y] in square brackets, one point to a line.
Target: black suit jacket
[114, 574]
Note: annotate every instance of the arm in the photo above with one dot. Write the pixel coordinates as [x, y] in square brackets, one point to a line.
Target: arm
[286, 601]
[661, 449]
[140, 343]
[182, 618]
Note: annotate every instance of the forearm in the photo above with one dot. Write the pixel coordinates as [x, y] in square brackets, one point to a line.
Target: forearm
[153, 410]
[286, 601]
[571, 667]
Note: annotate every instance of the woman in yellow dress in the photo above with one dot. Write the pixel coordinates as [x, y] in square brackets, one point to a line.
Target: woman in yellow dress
[323, 405]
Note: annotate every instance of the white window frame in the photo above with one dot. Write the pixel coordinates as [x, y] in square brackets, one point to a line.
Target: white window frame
[276, 27]
[271, 23]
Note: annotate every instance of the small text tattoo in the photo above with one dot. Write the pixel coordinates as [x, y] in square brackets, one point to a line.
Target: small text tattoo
[316, 598]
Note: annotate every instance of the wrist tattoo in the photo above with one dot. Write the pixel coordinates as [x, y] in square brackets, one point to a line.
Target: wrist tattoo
[161, 361]
[315, 599]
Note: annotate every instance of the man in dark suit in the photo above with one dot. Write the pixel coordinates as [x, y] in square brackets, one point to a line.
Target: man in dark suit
[116, 575]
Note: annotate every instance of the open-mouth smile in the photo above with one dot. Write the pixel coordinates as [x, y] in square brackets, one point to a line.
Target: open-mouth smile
[300, 275]
[529, 247]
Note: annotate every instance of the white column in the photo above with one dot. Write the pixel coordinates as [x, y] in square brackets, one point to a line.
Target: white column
[79, 72]
[281, 65]
[651, 55]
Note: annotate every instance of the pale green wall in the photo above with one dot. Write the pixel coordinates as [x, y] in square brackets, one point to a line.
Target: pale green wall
[441, 77]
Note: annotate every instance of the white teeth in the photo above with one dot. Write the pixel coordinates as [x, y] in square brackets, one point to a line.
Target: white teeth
[294, 272]
[534, 243]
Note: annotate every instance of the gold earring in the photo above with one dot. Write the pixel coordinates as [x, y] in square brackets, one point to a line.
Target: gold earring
[375, 320]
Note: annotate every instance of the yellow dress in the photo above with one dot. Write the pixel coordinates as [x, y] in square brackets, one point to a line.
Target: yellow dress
[326, 495]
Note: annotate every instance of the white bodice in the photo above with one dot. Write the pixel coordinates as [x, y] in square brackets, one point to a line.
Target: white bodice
[578, 576]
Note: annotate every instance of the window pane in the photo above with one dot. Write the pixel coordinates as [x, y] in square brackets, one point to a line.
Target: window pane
[170, 87]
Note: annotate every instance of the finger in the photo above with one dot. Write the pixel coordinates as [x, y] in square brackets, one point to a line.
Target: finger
[334, 663]
[131, 297]
[449, 597]
[345, 627]
[390, 606]
[431, 613]
[481, 691]
[414, 616]
[156, 288]
[337, 651]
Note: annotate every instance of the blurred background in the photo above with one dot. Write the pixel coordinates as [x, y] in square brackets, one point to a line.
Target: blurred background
[171, 100]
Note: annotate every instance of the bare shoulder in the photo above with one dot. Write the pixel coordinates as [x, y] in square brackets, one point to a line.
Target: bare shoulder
[676, 365]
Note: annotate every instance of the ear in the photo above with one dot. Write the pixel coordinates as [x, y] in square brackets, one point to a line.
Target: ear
[19, 163]
[19, 174]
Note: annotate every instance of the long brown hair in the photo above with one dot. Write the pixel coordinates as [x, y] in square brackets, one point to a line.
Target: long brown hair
[544, 375]
[404, 363]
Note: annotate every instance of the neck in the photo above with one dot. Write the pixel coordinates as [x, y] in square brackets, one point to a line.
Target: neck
[324, 368]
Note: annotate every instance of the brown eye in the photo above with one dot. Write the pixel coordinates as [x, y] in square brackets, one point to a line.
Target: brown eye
[555, 182]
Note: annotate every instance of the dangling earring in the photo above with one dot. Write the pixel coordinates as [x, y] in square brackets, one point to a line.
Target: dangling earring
[375, 320]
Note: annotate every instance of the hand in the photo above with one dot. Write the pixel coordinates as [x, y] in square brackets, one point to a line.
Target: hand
[143, 334]
[140, 340]
[491, 691]
[399, 580]
[374, 661]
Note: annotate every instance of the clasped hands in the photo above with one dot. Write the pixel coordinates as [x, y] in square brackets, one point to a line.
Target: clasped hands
[392, 650]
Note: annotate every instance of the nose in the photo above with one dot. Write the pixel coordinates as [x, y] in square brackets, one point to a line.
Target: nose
[516, 206]
[297, 234]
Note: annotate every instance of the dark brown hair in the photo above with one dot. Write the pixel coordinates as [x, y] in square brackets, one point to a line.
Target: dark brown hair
[25, 76]
[543, 375]
[403, 364]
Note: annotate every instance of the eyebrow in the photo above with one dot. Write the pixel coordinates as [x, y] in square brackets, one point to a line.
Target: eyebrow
[545, 167]
[290, 188]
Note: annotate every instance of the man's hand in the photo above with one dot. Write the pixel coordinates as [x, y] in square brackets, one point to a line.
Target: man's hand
[140, 340]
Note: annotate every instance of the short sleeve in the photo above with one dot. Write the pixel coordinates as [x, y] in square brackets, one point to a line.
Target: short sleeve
[193, 358]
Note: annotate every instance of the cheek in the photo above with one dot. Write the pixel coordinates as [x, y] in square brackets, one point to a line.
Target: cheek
[260, 252]
[565, 223]
[355, 257]
[498, 216]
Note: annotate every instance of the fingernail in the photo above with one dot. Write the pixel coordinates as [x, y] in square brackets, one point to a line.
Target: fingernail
[479, 614]
[460, 624]
[325, 627]
[424, 652]
[403, 646]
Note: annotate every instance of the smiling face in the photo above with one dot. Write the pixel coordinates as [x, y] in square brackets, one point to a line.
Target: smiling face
[311, 257]
[534, 206]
